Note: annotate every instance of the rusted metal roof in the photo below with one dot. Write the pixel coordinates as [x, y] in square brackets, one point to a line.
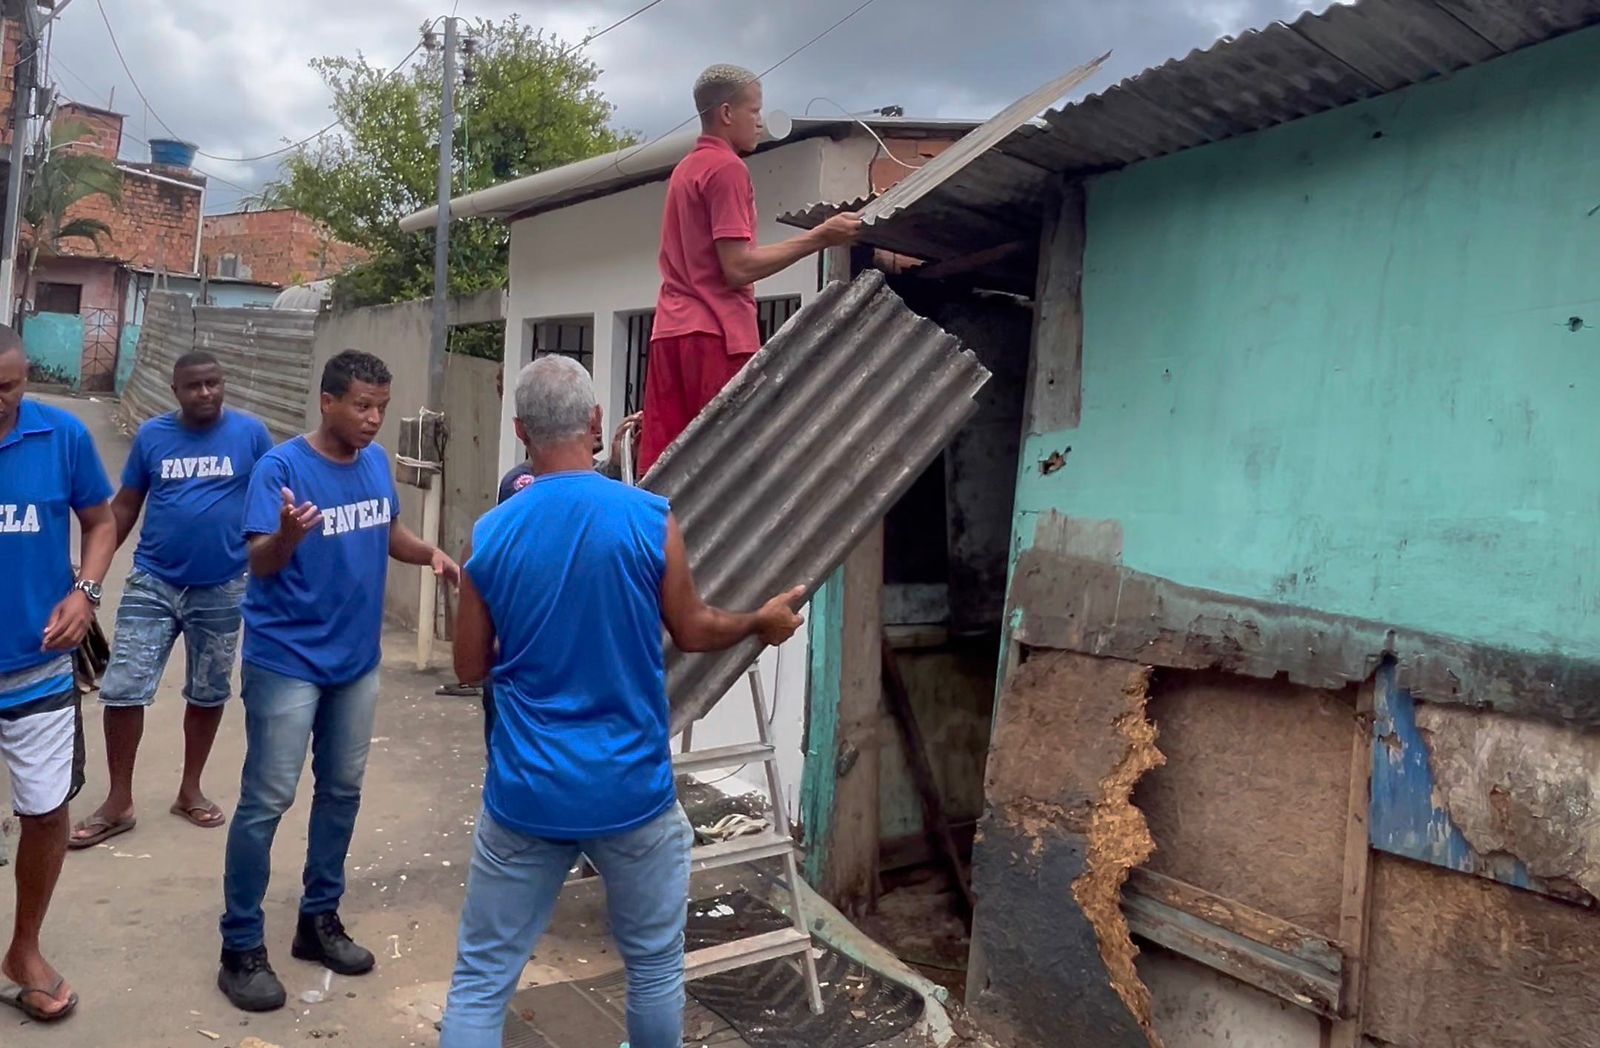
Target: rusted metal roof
[815, 439]
[991, 196]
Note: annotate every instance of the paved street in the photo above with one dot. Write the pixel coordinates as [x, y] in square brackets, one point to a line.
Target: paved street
[134, 924]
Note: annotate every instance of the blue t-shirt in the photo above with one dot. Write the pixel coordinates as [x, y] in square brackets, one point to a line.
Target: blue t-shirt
[571, 572]
[48, 469]
[195, 482]
[320, 619]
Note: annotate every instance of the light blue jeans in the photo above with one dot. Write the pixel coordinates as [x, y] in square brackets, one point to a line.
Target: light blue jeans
[284, 716]
[511, 896]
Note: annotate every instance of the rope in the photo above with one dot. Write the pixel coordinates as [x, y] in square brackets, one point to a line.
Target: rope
[418, 462]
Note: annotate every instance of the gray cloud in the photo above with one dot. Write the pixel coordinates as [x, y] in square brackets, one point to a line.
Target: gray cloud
[234, 77]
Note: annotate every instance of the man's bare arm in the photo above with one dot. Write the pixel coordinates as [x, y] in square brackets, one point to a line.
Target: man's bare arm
[696, 626]
[744, 263]
[407, 548]
[125, 507]
[474, 638]
[71, 619]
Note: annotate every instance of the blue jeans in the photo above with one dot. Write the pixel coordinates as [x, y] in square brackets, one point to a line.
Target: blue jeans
[283, 716]
[511, 896]
[151, 616]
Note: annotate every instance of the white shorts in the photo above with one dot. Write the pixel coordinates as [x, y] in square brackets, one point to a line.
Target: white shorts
[42, 747]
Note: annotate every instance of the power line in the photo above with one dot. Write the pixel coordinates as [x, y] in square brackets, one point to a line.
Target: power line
[617, 164]
[115, 46]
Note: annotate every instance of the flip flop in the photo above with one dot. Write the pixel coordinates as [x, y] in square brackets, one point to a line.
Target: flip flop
[205, 816]
[102, 831]
[14, 996]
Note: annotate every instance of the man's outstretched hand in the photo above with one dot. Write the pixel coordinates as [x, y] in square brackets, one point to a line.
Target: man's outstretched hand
[779, 617]
[296, 522]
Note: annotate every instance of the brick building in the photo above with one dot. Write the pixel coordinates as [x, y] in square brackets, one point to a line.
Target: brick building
[279, 247]
[82, 301]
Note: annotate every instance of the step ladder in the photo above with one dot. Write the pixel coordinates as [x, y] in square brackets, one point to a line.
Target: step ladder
[772, 843]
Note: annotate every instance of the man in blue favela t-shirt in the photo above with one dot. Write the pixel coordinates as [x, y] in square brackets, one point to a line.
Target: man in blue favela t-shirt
[187, 470]
[566, 588]
[49, 471]
[321, 523]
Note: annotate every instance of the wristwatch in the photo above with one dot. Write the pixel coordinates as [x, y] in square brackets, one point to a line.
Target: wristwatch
[90, 590]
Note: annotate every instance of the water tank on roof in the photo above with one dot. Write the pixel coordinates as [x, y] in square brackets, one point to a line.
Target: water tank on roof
[170, 152]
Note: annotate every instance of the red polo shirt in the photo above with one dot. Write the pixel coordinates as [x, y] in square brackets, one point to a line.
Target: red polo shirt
[709, 198]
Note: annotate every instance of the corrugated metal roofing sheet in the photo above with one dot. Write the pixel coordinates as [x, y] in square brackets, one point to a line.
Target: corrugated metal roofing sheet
[1262, 78]
[265, 353]
[778, 478]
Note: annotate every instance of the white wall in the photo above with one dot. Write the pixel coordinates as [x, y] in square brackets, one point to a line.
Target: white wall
[600, 258]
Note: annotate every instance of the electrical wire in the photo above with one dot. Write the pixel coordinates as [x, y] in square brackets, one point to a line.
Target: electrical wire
[616, 165]
[117, 47]
[882, 145]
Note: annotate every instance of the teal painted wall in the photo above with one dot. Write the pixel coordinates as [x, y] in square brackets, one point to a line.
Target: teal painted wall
[54, 342]
[1331, 364]
[127, 354]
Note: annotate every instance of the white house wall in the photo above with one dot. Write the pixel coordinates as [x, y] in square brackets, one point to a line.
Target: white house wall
[599, 258]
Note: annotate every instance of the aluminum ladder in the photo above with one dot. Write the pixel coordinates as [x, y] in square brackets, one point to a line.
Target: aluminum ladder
[773, 843]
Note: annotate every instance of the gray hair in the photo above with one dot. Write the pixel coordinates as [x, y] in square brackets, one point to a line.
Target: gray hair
[555, 400]
[719, 84]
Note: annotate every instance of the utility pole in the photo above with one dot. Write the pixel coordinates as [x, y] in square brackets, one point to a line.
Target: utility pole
[430, 429]
[441, 248]
[22, 84]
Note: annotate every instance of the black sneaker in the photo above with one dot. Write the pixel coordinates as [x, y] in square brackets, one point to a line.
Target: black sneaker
[249, 981]
[321, 938]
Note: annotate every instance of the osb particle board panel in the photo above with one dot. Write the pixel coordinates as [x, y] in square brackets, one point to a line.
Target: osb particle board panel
[1251, 803]
[1456, 961]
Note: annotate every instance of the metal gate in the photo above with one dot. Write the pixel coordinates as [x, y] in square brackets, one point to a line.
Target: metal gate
[101, 334]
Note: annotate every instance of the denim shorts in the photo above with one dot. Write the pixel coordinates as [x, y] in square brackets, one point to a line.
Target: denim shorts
[150, 619]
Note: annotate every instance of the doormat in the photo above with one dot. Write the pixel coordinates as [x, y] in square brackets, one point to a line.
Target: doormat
[767, 1003]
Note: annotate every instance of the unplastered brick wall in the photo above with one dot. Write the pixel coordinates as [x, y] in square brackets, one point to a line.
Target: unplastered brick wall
[905, 156]
[280, 247]
[155, 227]
[104, 128]
[8, 66]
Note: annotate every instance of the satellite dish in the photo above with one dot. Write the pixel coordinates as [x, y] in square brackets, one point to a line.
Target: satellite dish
[778, 125]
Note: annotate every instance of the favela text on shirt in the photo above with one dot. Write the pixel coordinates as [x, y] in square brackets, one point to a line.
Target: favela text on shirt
[15, 519]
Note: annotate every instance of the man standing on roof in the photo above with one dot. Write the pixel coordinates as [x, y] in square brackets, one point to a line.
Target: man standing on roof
[187, 471]
[49, 473]
[705, 326]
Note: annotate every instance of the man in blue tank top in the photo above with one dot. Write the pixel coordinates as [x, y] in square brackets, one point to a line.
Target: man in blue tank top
[320, 523]
[565, 591]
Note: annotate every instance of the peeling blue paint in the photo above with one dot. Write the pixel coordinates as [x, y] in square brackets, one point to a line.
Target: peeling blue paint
[1404, 818]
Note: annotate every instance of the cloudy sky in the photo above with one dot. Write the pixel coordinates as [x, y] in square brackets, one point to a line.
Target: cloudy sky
[233, 75]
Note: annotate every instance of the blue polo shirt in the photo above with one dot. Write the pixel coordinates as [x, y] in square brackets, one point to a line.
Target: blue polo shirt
[48, 469]
[570, 570]
[194, 482]
[320, 619]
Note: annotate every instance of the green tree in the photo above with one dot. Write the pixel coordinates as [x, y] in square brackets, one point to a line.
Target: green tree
[532, 105]
[67, 177]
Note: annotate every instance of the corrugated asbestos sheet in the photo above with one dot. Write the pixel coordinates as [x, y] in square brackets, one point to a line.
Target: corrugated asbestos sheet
[816, 438]
[265, 353]
[1262, 78]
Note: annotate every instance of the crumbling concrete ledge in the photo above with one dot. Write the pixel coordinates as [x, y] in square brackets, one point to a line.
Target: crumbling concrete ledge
[1071, 598]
